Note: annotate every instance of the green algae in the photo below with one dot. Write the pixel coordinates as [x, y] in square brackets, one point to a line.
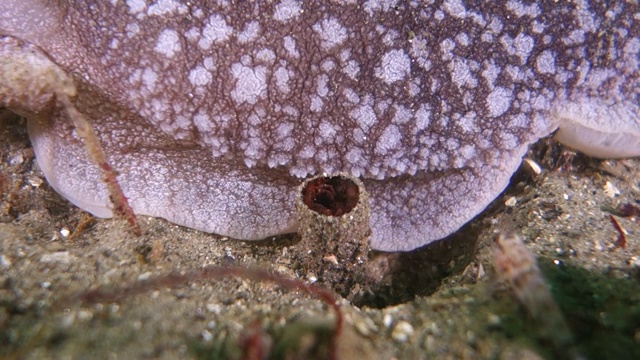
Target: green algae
[603, 312]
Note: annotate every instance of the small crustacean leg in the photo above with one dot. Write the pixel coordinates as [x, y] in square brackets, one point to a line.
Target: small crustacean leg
[30, 83]
[516, 265]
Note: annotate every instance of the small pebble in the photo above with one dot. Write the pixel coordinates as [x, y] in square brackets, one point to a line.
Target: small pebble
[387, 320]
[60, 256]
[494, 320]
[16, 159]
[144, 276]
[206, 335]
[5, 262]
[532, 167]
[365, 326]
[402, 331]
[64, 232]
[85, 315]
[35, 181]
[511, 202]
[214, 308]
[611, 190]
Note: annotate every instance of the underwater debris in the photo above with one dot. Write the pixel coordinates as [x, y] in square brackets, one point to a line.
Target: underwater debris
[516, 265]
[622, 237]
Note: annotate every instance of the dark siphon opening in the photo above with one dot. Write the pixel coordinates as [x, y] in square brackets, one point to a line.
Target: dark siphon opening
[331, 196]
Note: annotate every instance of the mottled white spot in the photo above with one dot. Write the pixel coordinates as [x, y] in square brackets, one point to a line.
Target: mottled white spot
[328, 65]
[498, 101]
[364, 115]
[446, 47]
[520, 10]
[290, 46]
[546, 62]
[351, 95]
[250, 32]
[395, 65]
[455, 8]
[149, 78]
[490, 73]
[402, 115]
[389, 140]
[327, 130]
[266, 55]
[330, 32]
[284, 129]
[537, 27]
[423, 117]
[496, 25]
[352, 68]
[163, 7]
[250, 84]
[136, 6]
[575, 37]
[200, 76]
[193, 34]
[168, 43]
[462, 39]
[321, 85]
[467, 123]
[132, 29]
[382, 5]
[461, 73]
[282, 77]
[316, 104]
[523, 45]
[202, 122]
[215, 31]
[209, 63]
[286, 9]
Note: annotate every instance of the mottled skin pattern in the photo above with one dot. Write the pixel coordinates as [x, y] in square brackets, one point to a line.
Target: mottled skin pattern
[213, 114]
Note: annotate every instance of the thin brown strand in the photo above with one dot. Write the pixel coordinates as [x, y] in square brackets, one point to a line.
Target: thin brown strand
[121, 207]
[622, 237]
[173, 280]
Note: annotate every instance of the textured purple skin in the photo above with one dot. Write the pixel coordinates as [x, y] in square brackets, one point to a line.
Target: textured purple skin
[213, 115]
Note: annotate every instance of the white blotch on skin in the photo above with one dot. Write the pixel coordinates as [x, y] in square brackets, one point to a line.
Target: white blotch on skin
[149, 78]
[132, 29]
[165, 7]
[364, 115]
[546, 62]
[389, 140]
[290, 45]
[282, 77]
[394, 66]
[521, 10]
[498, 101]
[286, 10]
[168, 43]
[352, 68]
[523, 45]
[250, 32]
[330, 32]
[251, 84]
[136, 6]
[215, 31]
[200, 76]
[461, 74]
[455, 8]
